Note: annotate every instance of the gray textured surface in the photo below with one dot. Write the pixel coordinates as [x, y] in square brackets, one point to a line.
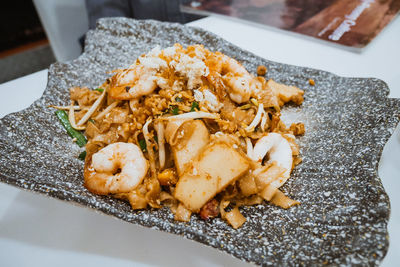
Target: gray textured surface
[344, 211]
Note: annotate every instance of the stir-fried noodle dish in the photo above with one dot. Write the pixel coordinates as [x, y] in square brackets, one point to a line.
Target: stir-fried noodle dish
[189, 129]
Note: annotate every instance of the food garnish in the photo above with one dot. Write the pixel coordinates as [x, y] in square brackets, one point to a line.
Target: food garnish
[78, 136]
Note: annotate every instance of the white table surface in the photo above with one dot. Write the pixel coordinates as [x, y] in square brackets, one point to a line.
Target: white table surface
[39, 231]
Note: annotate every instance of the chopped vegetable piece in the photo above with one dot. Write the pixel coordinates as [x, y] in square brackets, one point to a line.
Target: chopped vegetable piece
[245, 106]
[101, 90]
[174, 110]
[195, 105]
[91, 120]
[63, 117]
[178, 99]
[254, 101]
[82, 155]
[142, 144]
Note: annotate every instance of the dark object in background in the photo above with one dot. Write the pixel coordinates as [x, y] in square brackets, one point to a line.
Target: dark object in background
[351, 24]
[19, 24]
[162, 10]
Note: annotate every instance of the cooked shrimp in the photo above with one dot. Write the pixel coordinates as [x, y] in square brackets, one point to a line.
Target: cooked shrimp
[235, 76]
[279, 151]
[223, 64]
[139, 79]
[117, 168]
[240, 87]
[133, 83]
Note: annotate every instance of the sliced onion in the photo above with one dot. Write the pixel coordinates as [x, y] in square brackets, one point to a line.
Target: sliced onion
[256, 119]
[249, 146]
[264, 120]
[171, 131]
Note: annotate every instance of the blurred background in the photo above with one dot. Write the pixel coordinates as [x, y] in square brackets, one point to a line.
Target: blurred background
[24, 47]
[38, 33]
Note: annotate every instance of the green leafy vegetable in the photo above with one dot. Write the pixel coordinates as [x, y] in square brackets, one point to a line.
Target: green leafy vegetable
[174, 110]
[142, 144]
[82, 155]
[63, 117]
[195, 105]
[101, 90]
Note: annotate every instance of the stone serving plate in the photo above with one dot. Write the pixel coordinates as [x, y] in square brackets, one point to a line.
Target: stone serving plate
[344, 212]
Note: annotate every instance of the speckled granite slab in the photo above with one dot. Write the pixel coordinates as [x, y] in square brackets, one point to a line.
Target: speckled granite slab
[344, 211]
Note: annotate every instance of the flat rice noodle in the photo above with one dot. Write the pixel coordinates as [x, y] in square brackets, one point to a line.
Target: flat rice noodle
[235, 218]
[167, 199]
[192, 137]
[273, 173]
[92, 130]
[283, 201]
[268, 192]
[182, 213]
[247, 185]
[153, 192]
[171, 131]
[137, 200]
[118, 115]
[250, 201]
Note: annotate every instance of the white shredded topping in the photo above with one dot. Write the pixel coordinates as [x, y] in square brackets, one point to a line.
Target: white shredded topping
[199, 53]
[162, 83]
[169, 51]
[212, 102]
[198, 95]
[155, 52]
[177, 86]
[154, 63]
[191, 68]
